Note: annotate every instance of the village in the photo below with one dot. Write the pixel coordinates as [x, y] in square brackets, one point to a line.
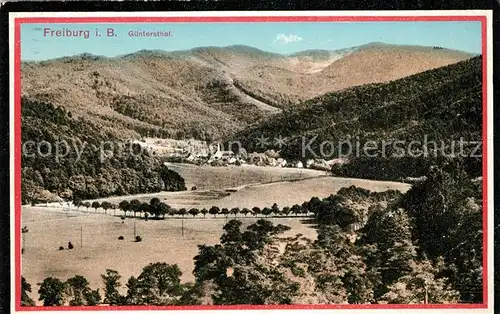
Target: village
[204, 154]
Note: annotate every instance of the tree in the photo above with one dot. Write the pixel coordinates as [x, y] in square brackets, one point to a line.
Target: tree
[296, 209]
[225, 211]
[132, 291]
[25, 288]
[192, 294]
[154, 205]
[146, 208]
[194, 212]
[285, 211]
[96, 205]
[261, 232]
[163, 209]
[214, 210]
[275, 209]
[182, 212]
[159, 284]
[77, 288]
[446, 211]
[134, 206]
[125, 206]
[173, 211]
[93, 297]
[256, 211]
[77, 201]
[235, 211]
[421, 281]
[252, 278]
[386, 241]
[172, 180]
[154, 201]
[306, 261]
[111, 280]
[313, 206]
[84, 176]
[245, 211]
[267, 211]
[106, 205]
[355, 276]
[204, 212]
[51, 292]
[87, 205]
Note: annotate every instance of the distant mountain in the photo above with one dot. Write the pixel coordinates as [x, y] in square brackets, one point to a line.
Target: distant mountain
[441, 105]
[211, 92]
[324, 55]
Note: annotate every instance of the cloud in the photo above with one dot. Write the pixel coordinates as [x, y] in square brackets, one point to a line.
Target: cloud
[286, 39]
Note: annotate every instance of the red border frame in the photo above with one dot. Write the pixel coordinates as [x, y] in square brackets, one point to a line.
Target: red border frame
[232, 19]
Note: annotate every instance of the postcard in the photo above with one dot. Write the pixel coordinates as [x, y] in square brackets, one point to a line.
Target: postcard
[250, 161]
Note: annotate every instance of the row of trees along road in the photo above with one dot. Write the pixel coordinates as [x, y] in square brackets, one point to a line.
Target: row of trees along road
[158, 209]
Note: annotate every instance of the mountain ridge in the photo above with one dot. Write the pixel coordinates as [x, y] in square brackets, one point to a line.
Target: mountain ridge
[242, 48]
[209, 93]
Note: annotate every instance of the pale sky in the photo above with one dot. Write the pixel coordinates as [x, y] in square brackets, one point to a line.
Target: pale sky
[273, 37]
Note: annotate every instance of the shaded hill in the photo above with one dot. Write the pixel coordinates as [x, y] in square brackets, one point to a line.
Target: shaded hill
[210, 92]
[68, 158]
[441, 105]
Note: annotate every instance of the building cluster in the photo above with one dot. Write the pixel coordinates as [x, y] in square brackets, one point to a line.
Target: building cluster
[201, 153]
[269, 158]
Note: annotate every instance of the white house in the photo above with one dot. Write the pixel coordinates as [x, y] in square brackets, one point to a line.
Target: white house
[222, 154]
[281, 162]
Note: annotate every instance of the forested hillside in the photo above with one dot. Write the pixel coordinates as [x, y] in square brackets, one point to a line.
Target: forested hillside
[72, 158]
[441, 105]
[432, 235]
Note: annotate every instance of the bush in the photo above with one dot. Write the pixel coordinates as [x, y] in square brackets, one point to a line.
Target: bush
[61, 248]
[121, 238]
[138, 239]
[193, 188]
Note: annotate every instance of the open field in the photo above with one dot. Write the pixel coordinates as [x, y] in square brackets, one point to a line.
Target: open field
[290, 186]
[162, 242]
[289, 193]
[206, 177]
[284, 193]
